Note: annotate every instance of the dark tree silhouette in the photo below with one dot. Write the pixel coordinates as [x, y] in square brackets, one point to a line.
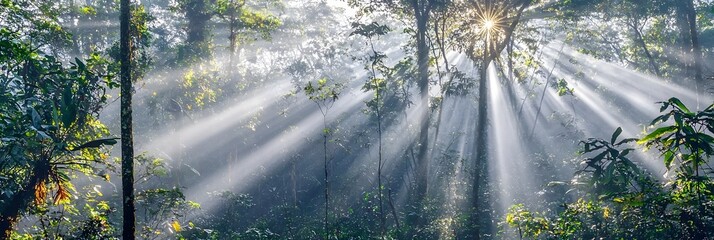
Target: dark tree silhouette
[127, 141]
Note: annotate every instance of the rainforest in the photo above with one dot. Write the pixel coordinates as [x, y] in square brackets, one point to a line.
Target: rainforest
[356, 119]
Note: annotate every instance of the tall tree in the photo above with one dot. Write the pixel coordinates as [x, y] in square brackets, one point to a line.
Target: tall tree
[696, 49]
[198, 14]
[127, 139]
[375, 66]
[495, 22]
[324, 95]
[422, 10]
[244, 25]
[420, 13]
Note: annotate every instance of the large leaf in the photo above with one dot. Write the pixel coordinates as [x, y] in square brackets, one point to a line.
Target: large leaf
[615, 135]
[658, 133]
[36, 119]
[96, 143]
[679, 104]
[69, 108]
[80, 65]
[668, 157]
[595, 161]
[626, 140]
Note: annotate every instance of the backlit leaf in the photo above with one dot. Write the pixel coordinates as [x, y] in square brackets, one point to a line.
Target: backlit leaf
[176, 226]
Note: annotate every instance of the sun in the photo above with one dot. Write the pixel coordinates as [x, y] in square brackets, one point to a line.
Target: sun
[489, 27]
[490, 21]
[488, 24]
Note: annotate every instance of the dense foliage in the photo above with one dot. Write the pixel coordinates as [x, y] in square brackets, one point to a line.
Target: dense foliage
[618, 199]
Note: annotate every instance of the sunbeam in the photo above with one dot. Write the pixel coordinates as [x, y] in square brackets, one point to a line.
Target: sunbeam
[208, 127]
[266, 156]
[330, 119]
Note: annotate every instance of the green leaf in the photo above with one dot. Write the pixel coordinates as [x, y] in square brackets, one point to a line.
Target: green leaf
[625, 152]
[309, 89]
[658, 133]
[614, 153]
[706, 138]
[609, 173]
[668, 157]
[679, 104]
[599, 157]
[626, 140]
[96, 143]
[69, 109]
[616, 134]
[176, 226]
[80, 65]
[36, 119]
[556, 183]
[55, 117]
[664, 106]
[662, 118]
[627, 162]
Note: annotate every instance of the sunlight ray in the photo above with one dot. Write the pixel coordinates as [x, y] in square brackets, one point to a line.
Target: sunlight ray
[513, 180]
[266, 156]
[208, 127]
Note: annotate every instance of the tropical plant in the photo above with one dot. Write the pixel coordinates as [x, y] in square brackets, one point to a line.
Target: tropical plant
[622, 200]
[50, 125]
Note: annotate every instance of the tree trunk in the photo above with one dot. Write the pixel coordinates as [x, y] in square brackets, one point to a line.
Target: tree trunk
[422, 169]
[20, 201]
[694, 36]
[327, 182]
[423, 144]
[127, 141]
[491, 52]
[232, 38]
[684, 41]
[510, 60]
[198, 15]
[293, 180]
[439, 32]
[481, 148]
[382, 218]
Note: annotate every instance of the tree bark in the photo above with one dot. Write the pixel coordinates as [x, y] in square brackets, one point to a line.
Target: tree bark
[422, 9]
[694, 36]
[232, 37]
[198, 15]
[127, 141]
[481, 148]
[233, 21]
[20, 201]
[327, 179]
[510, 60]
[684, 41]
[423, 144]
